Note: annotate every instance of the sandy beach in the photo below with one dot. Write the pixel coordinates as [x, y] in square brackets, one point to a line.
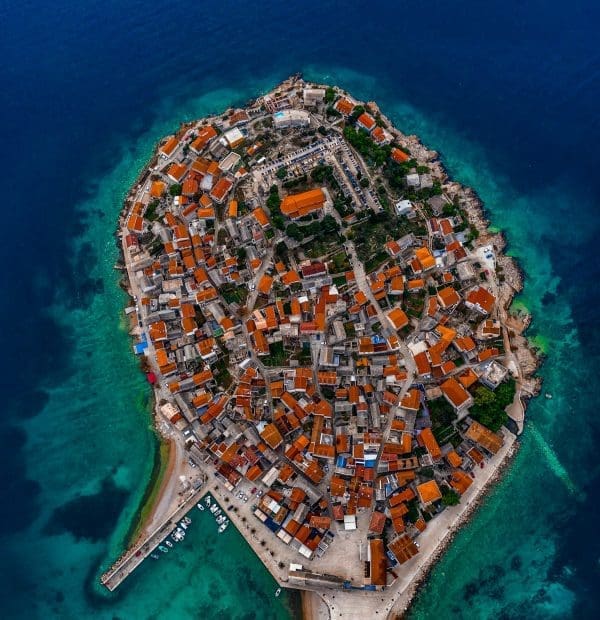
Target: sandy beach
[163, 498]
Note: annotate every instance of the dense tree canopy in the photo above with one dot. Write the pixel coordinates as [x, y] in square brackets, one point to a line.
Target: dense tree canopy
[489, 405]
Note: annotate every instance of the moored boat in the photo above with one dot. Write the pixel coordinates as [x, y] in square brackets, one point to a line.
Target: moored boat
[199, 506]
[163, 549]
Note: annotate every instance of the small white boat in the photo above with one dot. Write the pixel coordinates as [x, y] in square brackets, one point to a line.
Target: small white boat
[214, 508]
[183, 525]
[207, 500]
[199, 506]
[187, 520]
[548, 395]
[217, 512]
[223, 527]
[277, 592]
[180, 532]
[221, 518]
[168, 543]
[154, 556]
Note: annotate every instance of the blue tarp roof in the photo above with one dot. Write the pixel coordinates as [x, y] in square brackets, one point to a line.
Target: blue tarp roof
[272, 525]
[140, 347]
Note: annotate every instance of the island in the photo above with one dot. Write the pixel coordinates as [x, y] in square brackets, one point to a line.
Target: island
[325, 318]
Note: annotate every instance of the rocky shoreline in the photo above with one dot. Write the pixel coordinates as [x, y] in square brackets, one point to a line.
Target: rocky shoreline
[530, 358]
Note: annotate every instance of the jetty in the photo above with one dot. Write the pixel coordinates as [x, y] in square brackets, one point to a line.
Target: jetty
[133, 557]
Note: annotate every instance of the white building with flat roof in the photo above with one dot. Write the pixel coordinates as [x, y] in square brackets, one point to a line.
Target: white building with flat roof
[291, 118]
[403, 207]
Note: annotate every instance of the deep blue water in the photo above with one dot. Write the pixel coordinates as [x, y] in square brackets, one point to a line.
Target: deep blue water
[508, 95]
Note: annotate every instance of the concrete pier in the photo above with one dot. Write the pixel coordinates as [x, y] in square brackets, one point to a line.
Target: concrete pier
[134, 556]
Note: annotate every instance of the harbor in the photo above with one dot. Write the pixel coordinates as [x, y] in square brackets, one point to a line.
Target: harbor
[149, 543]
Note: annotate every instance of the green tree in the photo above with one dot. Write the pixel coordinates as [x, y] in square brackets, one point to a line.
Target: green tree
[151, 214]
[294, 232]
[484, 396]
[329, 224]
[175, 189]
[273, 201]
[278, 221]
[489, 406]
[329, 95]
[450, 498]
[358, 110]
[281, 173]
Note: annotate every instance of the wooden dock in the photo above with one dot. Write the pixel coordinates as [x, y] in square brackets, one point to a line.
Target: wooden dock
[134, 556]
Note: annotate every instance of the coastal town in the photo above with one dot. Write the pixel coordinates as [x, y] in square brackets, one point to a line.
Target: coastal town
[325, 320]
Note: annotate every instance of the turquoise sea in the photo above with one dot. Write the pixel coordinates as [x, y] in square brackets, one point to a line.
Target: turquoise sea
[509, 100]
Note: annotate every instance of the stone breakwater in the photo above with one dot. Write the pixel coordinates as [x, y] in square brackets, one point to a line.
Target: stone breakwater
[421, 579]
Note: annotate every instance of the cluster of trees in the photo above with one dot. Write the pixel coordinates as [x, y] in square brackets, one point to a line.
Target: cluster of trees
[489, 405]
[342, 204]
[319, 229]
[331, 111]
[324, 174]
[151, 215]
[362, 142]
[396, 173]
[295, 181]
[450, 497]
[274, 206]
[441, 412]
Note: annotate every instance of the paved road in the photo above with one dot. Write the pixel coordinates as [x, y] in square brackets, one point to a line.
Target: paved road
[267, 261]
[387, 330]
